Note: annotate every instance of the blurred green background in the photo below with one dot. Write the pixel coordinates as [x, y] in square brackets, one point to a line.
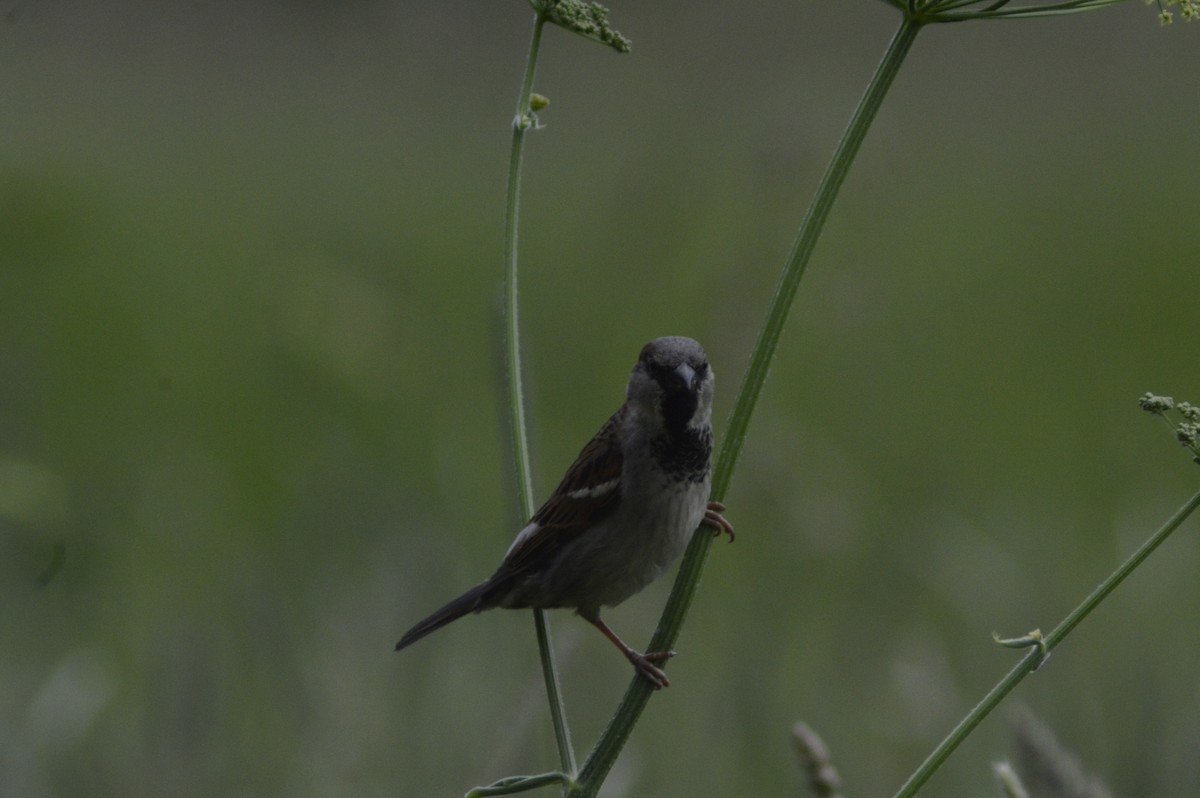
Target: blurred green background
[250, 272]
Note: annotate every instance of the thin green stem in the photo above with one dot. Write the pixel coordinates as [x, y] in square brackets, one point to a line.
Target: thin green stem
[516, 784]
[558, 710]
[1027, 665]
[605, 753]
[1023, 12]
[801, 252]
[516, 401]
[516, 397]
[1031, 661]
[1118, 576]
[962, 11]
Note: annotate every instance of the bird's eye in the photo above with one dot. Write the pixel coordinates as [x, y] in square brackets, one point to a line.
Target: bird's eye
[651, 365]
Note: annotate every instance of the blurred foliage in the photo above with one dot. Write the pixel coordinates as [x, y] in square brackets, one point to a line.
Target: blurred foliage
[249, 265]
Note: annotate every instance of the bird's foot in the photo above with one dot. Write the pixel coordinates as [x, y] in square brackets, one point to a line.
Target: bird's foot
[644, 664]
[713, 518]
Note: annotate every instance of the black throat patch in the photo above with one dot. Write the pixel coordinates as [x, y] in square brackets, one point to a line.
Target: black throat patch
[684, 453]
[678, 407]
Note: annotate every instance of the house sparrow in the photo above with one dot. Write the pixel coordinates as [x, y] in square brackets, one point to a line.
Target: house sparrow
[624, 511]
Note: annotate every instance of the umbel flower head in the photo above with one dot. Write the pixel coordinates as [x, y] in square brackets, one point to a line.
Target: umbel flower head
[1186, 428]
[588, 19]
[962, 10]
[1188, 9]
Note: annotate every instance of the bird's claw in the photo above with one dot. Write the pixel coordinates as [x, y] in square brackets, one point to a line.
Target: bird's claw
[713, 518]
[644, 663]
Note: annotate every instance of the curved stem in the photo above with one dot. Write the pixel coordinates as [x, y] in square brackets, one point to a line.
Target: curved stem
[638, 694]
[1033, 660]
[802, 248]
[516, 399]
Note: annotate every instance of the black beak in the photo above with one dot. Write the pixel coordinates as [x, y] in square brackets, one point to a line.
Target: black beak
[685, 375]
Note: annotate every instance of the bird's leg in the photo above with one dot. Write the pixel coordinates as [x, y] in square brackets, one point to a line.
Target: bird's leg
[643, 663]
[713, 518]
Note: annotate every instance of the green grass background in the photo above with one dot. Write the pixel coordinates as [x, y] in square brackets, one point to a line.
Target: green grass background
[250, 264]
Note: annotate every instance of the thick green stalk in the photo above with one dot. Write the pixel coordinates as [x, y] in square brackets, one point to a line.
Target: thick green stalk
[602, 757]
[1031, 661]
[522, 122]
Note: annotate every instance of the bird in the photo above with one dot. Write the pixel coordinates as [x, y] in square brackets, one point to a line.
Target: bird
[623, 512]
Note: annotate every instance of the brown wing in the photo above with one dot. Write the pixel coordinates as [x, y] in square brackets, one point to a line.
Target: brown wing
[587, 493]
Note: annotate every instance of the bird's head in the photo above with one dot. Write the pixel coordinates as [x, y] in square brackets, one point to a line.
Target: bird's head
[672, 383]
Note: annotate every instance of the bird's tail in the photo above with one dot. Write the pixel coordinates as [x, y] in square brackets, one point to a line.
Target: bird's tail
[476, 599]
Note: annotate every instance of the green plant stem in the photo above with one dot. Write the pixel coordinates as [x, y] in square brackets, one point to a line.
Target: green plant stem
[515, 784]
[1031, 661]
[516, 399]
[605, 753]
[801, 252]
